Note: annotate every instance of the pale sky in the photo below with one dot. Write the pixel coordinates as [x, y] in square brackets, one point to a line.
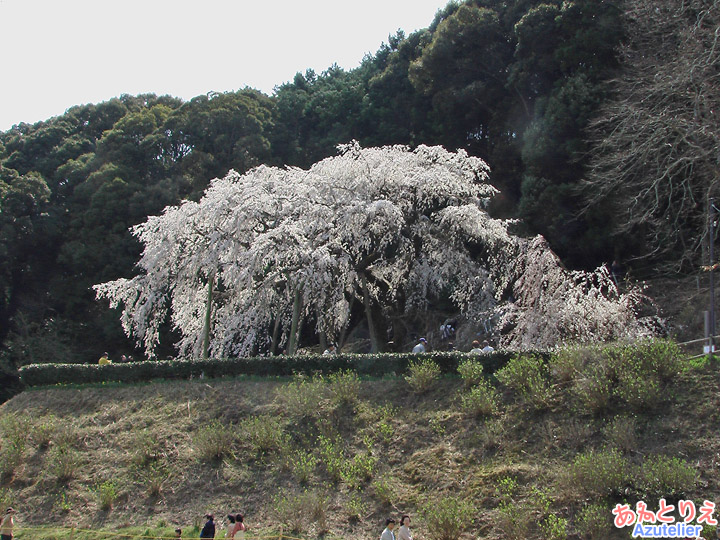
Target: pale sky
[60, 53]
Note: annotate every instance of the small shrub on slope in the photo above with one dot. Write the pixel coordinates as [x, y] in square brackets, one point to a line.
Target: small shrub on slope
[594, 522]
[303, 397]
[600, 473]
[568, 360]
[447, 517]
[384, 490]
[266, 434]
[302, 465]
[480, 400]
[63, 462]
[147, 448]
[13, 441]
[344, 387]
[471, 372]
[592, 387]
[642, 370]
[622, 433]
[658, 357]
[213, 441]
[526, 375]
[107, 493]
[153, 477]
[422, 375]
[633, 374]
[513, 520]
[299, 511]
[331, 455]
[665, 476]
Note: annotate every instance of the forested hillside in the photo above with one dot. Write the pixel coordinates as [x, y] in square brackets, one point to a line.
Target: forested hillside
[535, 88]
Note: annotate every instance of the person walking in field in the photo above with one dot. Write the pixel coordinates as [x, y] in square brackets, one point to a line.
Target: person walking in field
[388, 533]
[238, 531]
[178, 533]
[7, 524]
[231, 527]
[404, 530]
[208, 531]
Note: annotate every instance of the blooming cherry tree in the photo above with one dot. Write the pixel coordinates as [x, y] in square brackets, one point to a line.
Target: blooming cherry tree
[263, 253]
[553, 305]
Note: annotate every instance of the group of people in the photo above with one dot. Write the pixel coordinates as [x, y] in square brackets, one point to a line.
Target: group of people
[403, 532]
[105, 359]
[235, 527]
[478, 348]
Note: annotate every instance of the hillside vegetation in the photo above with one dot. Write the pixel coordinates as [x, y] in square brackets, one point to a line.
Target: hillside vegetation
[539, 450]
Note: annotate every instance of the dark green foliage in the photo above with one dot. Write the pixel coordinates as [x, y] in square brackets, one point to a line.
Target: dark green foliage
[315, 113]
[518, 83]
[394, 111]
[373, 365]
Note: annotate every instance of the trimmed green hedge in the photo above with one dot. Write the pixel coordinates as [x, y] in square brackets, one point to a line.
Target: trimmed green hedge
[374, 365]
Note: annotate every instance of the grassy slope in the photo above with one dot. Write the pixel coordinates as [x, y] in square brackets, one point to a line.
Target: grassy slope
[434, 449]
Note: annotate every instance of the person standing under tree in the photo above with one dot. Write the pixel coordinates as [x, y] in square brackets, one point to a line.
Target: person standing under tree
[476, 348]
[7, 524]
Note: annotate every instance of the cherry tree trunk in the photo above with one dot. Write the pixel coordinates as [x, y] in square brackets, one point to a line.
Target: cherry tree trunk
[208, 316]
[377, 343]
[295, 324]
[275, 335]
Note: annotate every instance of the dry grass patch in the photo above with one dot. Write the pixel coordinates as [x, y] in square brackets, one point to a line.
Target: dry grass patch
[435, 466]
[622, 433]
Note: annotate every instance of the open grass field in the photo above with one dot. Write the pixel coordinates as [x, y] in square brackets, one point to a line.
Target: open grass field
[539, 451]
